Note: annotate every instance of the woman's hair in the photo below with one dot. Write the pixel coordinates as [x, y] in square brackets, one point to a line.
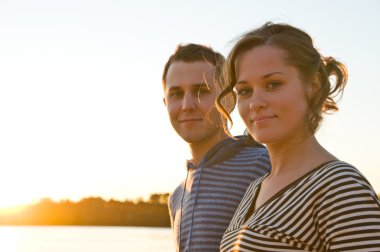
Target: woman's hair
[300, 53]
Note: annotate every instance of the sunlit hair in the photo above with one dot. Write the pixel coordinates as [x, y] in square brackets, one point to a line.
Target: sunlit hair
[300, 53]
[190, 53]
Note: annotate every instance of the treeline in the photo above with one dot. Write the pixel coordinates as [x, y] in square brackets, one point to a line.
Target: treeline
[94, 211]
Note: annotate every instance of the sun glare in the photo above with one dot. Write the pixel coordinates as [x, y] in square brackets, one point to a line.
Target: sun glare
[12, 210]
[12, 196]
[13, 205]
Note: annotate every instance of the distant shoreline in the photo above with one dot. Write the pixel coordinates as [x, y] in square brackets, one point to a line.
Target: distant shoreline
[92, 212]
[97, 226]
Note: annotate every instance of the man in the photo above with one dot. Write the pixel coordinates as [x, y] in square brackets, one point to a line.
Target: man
[221, 168]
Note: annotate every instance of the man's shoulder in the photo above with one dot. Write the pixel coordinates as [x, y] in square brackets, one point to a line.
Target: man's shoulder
[243, 148]
[238, 150]
[175, 196]
[250, 158]
[254, 150]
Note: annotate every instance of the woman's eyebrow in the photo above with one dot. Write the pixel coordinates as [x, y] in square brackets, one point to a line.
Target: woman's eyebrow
[262, 77]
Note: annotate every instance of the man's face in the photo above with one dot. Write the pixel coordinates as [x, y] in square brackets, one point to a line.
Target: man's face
[190, 100]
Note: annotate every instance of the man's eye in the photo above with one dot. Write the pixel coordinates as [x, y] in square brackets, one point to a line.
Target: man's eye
[244, 91]
[175, 94]
[204, 90]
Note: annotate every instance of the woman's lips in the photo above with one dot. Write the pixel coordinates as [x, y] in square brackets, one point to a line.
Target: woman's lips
[262, 118]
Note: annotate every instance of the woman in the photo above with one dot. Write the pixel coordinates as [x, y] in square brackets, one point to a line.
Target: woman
[310, 201]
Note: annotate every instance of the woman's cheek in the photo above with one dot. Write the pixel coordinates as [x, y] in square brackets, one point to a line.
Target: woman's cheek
[243, 107]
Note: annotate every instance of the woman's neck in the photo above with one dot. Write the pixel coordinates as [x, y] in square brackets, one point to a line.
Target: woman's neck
[297, 157]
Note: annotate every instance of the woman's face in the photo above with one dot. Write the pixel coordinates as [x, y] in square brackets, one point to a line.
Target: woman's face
[271, 96]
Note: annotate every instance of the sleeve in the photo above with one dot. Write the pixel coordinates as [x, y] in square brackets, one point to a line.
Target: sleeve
[174, 207]
[349, 214]
[170, 208]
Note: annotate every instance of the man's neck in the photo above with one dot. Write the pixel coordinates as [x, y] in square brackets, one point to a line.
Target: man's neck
[199, 150]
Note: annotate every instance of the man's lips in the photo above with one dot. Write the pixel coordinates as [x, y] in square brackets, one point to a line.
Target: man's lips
[190, 120]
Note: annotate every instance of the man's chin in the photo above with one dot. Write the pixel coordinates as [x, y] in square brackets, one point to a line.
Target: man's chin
[191, 139]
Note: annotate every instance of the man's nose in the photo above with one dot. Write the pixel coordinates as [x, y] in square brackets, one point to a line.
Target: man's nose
[189, 102]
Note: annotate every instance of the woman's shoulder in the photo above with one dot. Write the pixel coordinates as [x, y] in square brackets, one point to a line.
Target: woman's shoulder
[343, 180]
[341, 170]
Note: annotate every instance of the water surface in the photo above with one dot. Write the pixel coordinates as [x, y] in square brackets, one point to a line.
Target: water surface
[84, 239]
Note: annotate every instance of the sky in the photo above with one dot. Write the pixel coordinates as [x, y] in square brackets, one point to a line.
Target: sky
[81, 110]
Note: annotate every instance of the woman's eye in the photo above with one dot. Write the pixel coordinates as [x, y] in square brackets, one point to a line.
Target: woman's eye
[244, 91]
[273, 85]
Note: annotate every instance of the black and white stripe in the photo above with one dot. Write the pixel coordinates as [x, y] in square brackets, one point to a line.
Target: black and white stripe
[332, 208]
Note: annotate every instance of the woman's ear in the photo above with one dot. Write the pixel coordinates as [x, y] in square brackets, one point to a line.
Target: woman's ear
[315, 85]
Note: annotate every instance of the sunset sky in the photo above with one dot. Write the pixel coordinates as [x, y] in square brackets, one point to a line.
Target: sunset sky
[81, 111]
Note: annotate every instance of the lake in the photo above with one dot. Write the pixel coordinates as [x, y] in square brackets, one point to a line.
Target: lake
[84, 239]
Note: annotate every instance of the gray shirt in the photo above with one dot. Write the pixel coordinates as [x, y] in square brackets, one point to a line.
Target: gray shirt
[202, 206]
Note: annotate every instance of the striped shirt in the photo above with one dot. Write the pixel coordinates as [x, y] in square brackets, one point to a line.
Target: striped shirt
[202, 206]
[332, 208]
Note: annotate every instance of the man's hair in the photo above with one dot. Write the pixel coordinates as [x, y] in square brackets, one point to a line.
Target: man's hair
[190, 53]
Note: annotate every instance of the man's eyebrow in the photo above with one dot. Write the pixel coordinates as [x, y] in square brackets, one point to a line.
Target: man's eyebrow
[200, 84]
[174, 88]
[195, 85]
